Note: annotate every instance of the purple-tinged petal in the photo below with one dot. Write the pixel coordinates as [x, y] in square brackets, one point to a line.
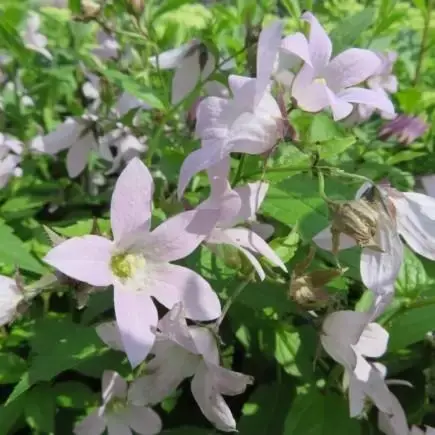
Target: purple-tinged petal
[319, 43]
[109, 334]
[369, 97]
[171, 284]
[93, 424]
[268, 46]
[416, 222]
[205, 343]
[135, 315]
[180, 235]
[200, 160]
[186, 76]
[252, 196]
[228, 382]
[130, 209]
[84, 258]
[116, 426]
[78, 154]
[324, 240]
[142, 420]
[297, 44]
[112, 385]
[428, 182]
[250, 240]
[171, 58]
[339, 107]
[218, 178]
[395, 421]
[211, 118]
[210, 401]
[351, 67]
[241, 86]
[310, 95]
[373, 341]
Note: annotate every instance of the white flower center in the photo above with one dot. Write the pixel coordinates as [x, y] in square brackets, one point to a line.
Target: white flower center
[129, 268]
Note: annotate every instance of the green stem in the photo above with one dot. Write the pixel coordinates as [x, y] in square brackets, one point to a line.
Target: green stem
[406, 306]
[424, 41]
[239, 173]
[321, 181]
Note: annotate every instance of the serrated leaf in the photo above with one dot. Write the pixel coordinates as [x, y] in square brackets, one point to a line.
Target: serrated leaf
[13, 251]
[12, 368]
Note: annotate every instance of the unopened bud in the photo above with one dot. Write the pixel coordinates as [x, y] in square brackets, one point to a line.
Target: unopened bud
[136, 7]
[357, 219]
[90, 9]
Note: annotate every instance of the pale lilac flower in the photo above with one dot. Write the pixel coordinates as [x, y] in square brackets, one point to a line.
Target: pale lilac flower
[108, 47]
[10, 298]
[428, 183]
[180, 352]
[117, 414]
[192, 62]
[32, 39]
[412, 215]
[331, 83]
[417, 431]
[406, 129]
[226, 230]
[76, 135]
[10, 151]
[119, 146]
[138, 262]
[232, 125]
[110, 335]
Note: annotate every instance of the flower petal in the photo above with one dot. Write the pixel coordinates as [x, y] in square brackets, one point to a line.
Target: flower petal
[416, 222]
[135, 315]
[369, 97]
[170, 284]
[297, 44]
[395, 421]
[351, 67]
[110, 335]
[10, 297]
[112, 385]
[171, 58]
[310, 95]
[186, 76]
[324, 240]
[373, 341]
[211, 118]
[180, 235]
[84, 258]
[268, 46]
[130, 208]
[78, 154]
[211, 403]
[319, 43]
[116, 426]
[93, 424]
[142, 420]
[252, 196]
[228, 382]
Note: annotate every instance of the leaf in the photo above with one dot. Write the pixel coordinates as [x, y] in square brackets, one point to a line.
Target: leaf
[286, 247]
[130, 85]
[410, 327]
[98, 303]
[320, 413]
[349, 30]
[169, 5]
[40, 408]
[10, 413]
[323, 128]
[266, 409]
[13, 251]
[412, 279]
[74, 394]
[335, 147]
[404, 156]
[11, 368]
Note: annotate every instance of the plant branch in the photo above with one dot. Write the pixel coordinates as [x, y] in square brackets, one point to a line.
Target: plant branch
[424, 41]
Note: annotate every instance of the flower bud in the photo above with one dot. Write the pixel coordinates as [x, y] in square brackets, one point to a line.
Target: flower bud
[357, 219]
[305, 293]
[136, 7]
[90, 9]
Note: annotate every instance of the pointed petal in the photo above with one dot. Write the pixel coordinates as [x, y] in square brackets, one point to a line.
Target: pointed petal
[371, 98]
[297, 44]
[110, 335]
[310, 95]
[211, 403]
[135, 315]
[112, 385]
[180, 235]
[78, 154]
[255, 243]
[379, 270]
[142, 420]
[130, 209]
[93, 424]
[373, 341]
[186, 77]
[351, 67]
[394, 422]
[211, 118]
[324, 240]
[416, 222]
[218, 178]
[428, 182]
[170, 284]
[228, 382]
[198, 161]
[171, 58]
[84, 258]
[116, 426]
[205, 343]
[319, 43]
[252, 196]
[268, 46]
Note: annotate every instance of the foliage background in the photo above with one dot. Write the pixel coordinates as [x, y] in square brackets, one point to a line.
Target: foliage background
[51, 359]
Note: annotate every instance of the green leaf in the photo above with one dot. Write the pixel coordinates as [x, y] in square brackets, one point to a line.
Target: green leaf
[349, 30]
[12, 368]
[286, 247]
[169, 5]
[410, 327]
[404, 156]
[320, 413]
[40, 408]
[13, 251]
[265, 411]
[10, 413]
[323, 128]
[335, 147]
[412, 279]
[74, 394]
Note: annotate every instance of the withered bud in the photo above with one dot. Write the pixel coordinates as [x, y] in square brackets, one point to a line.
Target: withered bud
[306, 293]
[90, 9]
[136, 7]
[357, 219]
